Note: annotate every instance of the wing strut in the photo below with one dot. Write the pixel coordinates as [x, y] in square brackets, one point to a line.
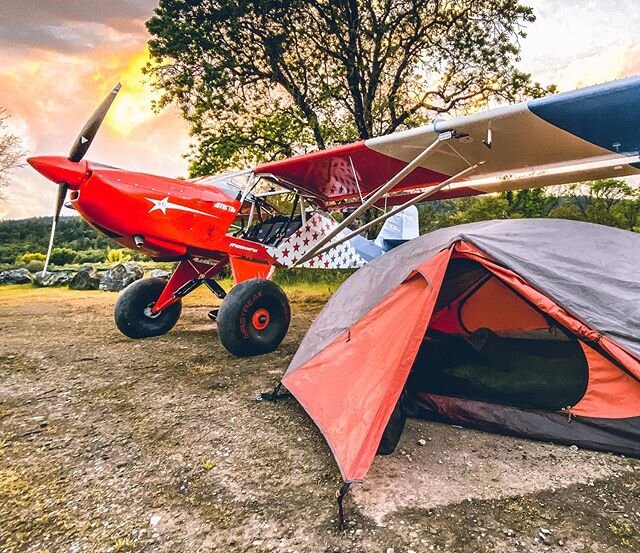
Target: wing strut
[377, 195]
[419, 198]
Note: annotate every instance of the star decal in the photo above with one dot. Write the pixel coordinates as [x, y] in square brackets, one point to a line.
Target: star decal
[159, 205]
[164, 204]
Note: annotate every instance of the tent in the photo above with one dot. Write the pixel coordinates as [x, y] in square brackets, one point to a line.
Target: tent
[525, 327]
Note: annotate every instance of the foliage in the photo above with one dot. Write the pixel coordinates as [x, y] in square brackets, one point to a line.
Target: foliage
[10, 149]
[35, 266]
[31, 236]
[27, 257]
[90, 256]
[264, 79]
[612, 202]
[609, 202]
[118, 255]
[62, 256]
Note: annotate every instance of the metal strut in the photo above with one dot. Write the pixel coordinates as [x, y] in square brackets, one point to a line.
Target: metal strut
[419, 198]
[375, 197]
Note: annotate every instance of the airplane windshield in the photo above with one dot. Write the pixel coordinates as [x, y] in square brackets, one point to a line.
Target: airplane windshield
[231, 184]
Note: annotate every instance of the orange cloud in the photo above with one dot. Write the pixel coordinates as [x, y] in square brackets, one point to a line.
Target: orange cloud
[50, 94]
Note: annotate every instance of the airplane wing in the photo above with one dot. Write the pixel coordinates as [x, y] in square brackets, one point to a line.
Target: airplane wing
[586, 134]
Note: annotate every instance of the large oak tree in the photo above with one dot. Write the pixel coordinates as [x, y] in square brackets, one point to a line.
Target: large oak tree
[261, 79]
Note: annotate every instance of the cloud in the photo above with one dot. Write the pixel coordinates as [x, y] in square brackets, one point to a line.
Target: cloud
[72, 26]
[51, 94]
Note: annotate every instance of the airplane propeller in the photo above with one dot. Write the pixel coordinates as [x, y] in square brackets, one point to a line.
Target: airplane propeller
[77, 152]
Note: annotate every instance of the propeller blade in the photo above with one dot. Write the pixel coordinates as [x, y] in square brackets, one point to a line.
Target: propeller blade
[62, 194]
[89, 131]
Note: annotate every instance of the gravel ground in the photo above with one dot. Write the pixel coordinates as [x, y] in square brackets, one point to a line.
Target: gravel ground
[109, 444]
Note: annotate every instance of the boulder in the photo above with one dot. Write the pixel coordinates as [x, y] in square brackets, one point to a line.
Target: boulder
[59, 278]
[16, 276]
[87, 278]
[120, 276]
[159, 273]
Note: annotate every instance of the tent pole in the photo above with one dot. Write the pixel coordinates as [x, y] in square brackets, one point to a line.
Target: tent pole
[377, 195]
[398, 209]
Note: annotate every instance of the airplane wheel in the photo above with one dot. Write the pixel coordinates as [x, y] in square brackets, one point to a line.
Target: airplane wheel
[133, 310]
[253, 318]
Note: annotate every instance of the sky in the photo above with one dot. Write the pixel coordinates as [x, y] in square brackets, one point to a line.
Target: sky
[59, 58]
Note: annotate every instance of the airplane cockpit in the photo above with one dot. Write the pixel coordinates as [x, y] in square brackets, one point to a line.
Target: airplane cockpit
[270, 212]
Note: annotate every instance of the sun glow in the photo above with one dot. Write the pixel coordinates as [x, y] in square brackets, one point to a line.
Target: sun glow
[133, 108]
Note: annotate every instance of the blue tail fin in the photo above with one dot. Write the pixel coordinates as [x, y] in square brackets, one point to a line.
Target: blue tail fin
[396, 230]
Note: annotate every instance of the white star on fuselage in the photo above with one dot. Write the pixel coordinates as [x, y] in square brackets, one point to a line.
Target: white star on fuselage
[164, 204]
[159, 204]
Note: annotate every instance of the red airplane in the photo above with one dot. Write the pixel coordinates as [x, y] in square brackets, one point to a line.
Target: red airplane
[206, 223]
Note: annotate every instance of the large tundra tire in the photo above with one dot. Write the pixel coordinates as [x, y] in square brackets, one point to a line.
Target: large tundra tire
[253, 318]
[133, 310]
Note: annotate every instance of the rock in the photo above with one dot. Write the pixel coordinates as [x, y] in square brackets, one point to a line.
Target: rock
[60, 278]
[390, 550]
[159, 273]
[87, 278]
[545, 538]
[120, 276]
[155, 520]
[422, 442]
[16, 276]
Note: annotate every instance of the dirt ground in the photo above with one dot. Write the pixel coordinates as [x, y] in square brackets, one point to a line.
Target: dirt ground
[110, 444]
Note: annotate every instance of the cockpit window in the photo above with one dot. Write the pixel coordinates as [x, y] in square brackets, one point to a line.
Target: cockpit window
[231, 184]
[231, 190]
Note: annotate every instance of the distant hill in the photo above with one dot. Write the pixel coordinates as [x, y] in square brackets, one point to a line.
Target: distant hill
[21, 236]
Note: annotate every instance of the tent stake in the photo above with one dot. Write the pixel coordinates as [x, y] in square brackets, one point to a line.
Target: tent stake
[275, 394]
[339, 498]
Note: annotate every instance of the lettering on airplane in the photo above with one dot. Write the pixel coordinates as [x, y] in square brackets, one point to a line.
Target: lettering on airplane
[224, 207]
[242, 247]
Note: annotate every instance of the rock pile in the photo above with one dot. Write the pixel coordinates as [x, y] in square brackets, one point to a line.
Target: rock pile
[86, 278]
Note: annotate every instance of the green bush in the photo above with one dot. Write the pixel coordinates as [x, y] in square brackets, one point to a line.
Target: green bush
[63, 256]
[90, 256]
[35, 265]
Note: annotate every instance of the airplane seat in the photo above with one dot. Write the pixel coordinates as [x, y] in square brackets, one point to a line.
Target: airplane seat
[284, 230]
[275, 229]
[263, 231]
[294, 225]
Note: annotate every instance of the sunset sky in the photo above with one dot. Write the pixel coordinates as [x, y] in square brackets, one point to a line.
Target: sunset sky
[59, 58]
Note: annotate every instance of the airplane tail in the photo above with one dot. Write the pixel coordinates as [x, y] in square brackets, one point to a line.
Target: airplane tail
[351, 254]
[398, 229]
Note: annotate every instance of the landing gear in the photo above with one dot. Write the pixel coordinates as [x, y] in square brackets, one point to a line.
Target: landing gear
[253, 318]
[133, 312]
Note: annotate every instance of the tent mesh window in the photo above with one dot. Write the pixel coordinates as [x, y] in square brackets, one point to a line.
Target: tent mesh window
[485, 342]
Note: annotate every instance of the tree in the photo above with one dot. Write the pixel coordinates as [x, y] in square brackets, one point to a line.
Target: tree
[261, 79]
[10, 150]
[611, 202]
